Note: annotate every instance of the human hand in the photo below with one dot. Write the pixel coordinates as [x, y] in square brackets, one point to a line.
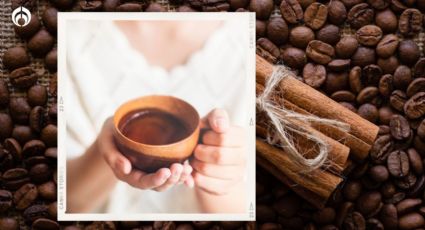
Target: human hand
[219, 162]
[161, 180]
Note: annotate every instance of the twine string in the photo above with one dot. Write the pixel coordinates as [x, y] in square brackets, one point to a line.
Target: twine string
[283, 122]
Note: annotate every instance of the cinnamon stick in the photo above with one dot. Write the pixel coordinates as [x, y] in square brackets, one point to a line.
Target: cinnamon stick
[320, 105]
[319, 182]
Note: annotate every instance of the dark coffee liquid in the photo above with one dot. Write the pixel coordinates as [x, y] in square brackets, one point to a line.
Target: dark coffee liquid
[153, 127]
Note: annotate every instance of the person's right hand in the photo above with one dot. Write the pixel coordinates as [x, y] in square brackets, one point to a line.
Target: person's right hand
[161, 180]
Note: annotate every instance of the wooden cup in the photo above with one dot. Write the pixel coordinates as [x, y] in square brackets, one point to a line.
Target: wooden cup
[150, 158]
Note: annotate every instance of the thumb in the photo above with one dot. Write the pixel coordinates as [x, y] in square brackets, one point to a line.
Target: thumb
[217, 120]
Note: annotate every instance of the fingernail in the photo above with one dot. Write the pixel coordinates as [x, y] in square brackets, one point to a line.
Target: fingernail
[166, 176]
[220, 123]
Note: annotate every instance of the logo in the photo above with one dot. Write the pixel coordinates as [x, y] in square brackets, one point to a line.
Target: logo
[21, 16]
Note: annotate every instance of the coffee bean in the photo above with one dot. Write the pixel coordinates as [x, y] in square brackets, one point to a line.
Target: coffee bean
[363, 56]
[51, 60]
[6, 126]
[63, 4]
[19, 110]
[381, 148]
[407, 182]
[360, 15]
[386, 85]
[373, 223]
[354, 220]
[415, 106]
[349, 106]
[260, 29]
[388, 189]
[419, 69]
[111, 5]
[15, 178]
[389, 216]
[25, 196]
[352, 190]
[408, 52]
[5, 200]
[40, 173]
[387, 46]
[35, 212]
[402, 77]
[43, 223]
[15, 57]
[156, 7]
[136, 7]
[369, 202]
[344, 210]
[385, 114]
[53, 113]
[266, 49]
[50, 19]
[33, 148]
[262, 8]
[415, 161]
[324, 216]
[4, 94]
[234, 4]
[398, 164]
[378, 4]
[388, 65]
[329, 34]
[47, 190]
[29, 30]
[418, 188]
[371, 74]
[320, 52]
[37, 95]
[343, 96]
[287, 206]
[416, 86]
[277, 30]
[400, 128]
[300, 36]
[265, 213]
[411, 221]
[294, 58]
[315, 15]
[410, 22]
[336, 81]
[291, 11]
[337, 13]
[367, 94]
[419, 145]
[94, 5]
[354, 79]
[14, 148]
[397, 100]
[23, 77]
[314, 75]
[386, 20]
[369, 35]
[421, 130]
[22, 134]
[9, 223]
[379, 173]
[36, 119]
[408, 205]
[346, 47]
[41, 43]
[368, 112]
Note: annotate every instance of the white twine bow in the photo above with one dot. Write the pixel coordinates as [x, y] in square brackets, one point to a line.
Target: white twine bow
[282, 122]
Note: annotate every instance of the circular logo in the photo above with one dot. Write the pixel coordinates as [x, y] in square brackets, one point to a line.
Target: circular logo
[21, 16]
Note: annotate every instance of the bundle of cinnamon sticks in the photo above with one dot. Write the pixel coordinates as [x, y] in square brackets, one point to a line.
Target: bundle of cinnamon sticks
[344, 146]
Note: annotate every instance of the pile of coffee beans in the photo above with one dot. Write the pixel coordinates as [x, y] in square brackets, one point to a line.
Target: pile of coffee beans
[362, 53]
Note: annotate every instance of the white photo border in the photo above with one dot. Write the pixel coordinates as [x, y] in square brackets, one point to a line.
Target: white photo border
[250, 214]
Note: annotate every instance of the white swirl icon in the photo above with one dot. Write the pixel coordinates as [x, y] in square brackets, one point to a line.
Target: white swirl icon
[21, 16]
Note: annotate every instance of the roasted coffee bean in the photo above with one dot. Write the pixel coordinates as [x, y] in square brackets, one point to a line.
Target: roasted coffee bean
[50, 19]
[406, 182]
[324, 216]
[315, 15]
[53, 113]
[363, 56]
[369, 202]
[48, 135]
[37, 95]
[367, 94]
[214, 5]
[9, 223]
[395, 198]
[397, 100]
[236, 4]
[47, 190]
[411, 221]
[410, 22]
[379, 173]
[36, 119]
[371, 74]
[25, 196]
[373, 223]
[329, 34]
[15, 57]
[344, 210]
[415, 106]
[360, 15]
[419, 69]
[369, 35]
[266, 49]
[5, 200]
[156, 7]
[389, 216]
[354, 220]
[4, 94]
[291, 11]
[381, 148]
[408, 52]
[51, 60]
[40, 173]
[402, 77]
[300, 36]
[337, 13]
[6, 126]
[260, 29]
[294, 58]
[19, 110]
[400, 128]
[15, 178]
[262, 8]
[354, 79]
[30, 161]
[41, 43]
[277, 30]
[320, 52]
[265, 213]
[22, 134]
[23, 77]
[62, 4]
[346, 47]
[336, 81]
[14, 148]
[29, 30]
[352, 190]
[416, 86]
[418, 188]
[388, 189]
[408, 205]
[314, 75]
[44, 223]
[421, 130]
[378, 4]
[385, 114]
[368, 112]
[419, 145]
[343, 96]
[349, 106]
[388, 65]
[386, 20]
[35, 212]
[33, 148]
[387, 46]
[287, 206]
[93, 5]
[398, 164]
[109, 225]
[111, 5]
[386, 85]
[132, 7]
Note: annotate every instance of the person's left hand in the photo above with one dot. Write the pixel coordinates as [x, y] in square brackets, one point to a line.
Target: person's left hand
[219, 162]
